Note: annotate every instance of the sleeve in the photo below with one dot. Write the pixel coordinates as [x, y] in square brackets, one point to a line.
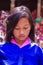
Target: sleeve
[40, 56]
[2, 56]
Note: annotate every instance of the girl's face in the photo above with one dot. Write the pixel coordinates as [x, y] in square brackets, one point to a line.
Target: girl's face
[22, 30]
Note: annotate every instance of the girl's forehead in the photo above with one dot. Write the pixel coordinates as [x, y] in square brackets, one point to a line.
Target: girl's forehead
[23, 21]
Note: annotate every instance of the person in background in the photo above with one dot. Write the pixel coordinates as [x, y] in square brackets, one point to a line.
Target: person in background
[20, 48]
[2, 34]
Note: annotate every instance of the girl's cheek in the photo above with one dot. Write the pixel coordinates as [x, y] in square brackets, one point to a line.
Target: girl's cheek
[15, 32]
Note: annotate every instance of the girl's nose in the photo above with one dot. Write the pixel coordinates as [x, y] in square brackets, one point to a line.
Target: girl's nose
[21, 32]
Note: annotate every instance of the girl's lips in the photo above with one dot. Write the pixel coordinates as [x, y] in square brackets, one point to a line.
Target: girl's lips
[21, 36]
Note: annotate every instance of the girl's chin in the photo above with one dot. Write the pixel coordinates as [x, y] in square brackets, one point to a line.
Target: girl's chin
[21, 39]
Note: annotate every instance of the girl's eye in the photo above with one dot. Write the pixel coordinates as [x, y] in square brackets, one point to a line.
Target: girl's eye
[16, 28]
[19, 28]
[25, 27]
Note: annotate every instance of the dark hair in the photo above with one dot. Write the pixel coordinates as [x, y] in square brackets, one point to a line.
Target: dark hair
[17, 13]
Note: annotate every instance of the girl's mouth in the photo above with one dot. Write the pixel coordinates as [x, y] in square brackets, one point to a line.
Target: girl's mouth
[22, 36]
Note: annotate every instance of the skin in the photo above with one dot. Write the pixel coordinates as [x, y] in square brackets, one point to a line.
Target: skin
[22, 30]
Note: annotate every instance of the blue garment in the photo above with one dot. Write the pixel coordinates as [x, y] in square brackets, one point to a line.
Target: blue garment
[42, 48]
[11, 54]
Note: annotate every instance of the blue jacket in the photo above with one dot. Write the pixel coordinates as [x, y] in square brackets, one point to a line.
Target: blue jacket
[11, 54]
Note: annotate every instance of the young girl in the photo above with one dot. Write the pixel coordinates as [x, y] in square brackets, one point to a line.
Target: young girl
[20, 48]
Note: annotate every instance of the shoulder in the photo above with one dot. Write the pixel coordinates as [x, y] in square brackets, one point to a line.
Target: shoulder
[5, 45]
[9, 47]
[8, 44]
[33, 44]
[36, 47]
